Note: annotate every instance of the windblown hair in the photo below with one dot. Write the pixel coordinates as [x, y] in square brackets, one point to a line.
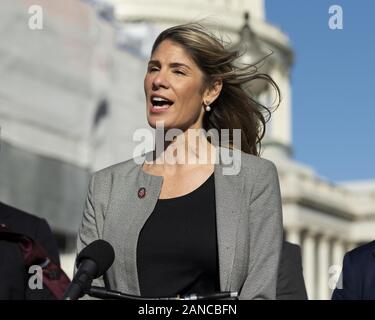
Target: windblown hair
[235, 107]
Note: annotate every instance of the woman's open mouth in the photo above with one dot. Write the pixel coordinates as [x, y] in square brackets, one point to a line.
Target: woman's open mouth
[160, 104]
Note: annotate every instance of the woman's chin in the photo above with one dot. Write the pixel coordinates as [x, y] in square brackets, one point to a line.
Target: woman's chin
[160, 121]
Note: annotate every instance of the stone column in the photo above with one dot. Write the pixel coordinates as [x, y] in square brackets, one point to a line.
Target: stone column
[293, 235]
[323, 292]
[350, 246]
[338, 251]
[308, 259]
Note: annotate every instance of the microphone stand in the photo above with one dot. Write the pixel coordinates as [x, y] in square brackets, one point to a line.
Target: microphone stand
[102, 293]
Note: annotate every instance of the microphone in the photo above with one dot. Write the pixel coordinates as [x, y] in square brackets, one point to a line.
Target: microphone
[231, 295]
[103, 293]
[92, 262]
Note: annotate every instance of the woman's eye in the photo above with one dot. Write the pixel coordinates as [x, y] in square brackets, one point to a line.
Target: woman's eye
[179, 72]
[150, 69]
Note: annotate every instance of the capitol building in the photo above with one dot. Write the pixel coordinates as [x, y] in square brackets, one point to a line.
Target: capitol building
[71, 97]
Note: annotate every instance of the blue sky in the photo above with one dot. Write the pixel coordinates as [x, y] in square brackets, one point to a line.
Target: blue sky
[333, 85]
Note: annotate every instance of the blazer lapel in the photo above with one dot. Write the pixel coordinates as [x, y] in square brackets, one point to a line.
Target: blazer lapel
[126, 216]
[143, 207]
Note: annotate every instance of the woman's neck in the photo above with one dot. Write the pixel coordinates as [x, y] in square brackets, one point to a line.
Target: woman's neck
[187, 151]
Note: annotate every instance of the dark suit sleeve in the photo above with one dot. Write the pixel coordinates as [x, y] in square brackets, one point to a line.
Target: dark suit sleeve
[45, 237]
[290, 282]
[12, 272]
[346, 288]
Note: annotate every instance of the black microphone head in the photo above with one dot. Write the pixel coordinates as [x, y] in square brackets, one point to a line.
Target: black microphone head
[99, 251]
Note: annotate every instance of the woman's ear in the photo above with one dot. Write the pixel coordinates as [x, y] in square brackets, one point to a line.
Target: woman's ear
[212, 92]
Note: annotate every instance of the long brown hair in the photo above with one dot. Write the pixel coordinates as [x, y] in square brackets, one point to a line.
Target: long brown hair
[235, 108]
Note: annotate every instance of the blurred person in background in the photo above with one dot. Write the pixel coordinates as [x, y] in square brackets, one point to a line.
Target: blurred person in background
[357, 280]
[290, 281]
[20, 231]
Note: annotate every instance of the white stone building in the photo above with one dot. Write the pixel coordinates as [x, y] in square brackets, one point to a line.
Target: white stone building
[71, 97]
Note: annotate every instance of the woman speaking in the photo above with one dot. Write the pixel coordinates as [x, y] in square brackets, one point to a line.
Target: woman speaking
[181, 224]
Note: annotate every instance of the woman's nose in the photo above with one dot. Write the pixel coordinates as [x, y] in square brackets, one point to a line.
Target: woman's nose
[160, 80]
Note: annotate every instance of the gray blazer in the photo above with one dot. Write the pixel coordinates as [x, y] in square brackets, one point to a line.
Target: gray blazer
[249, 222]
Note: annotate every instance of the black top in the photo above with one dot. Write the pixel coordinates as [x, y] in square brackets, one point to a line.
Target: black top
[177, 246]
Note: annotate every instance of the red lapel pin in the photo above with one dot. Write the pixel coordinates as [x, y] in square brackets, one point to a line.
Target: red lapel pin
[141, 192]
